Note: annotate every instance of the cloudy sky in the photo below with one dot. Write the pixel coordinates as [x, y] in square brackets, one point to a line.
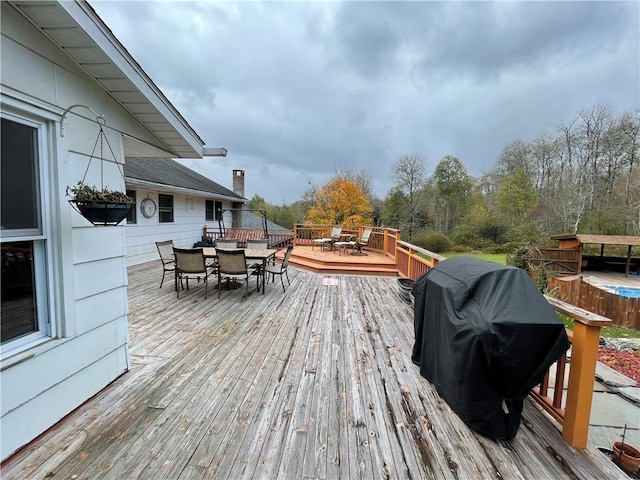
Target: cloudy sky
[295, 90]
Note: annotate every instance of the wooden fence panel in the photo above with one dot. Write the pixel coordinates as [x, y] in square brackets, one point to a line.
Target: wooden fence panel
[561, 260]
[623, 311]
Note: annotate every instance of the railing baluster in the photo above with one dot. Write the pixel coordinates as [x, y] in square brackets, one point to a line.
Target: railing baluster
[544, 385]
[558, 391]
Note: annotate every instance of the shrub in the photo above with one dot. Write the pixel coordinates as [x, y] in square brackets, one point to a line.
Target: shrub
[504, 248]
[434, 242]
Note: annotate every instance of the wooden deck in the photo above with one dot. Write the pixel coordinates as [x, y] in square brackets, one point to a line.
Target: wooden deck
[338, 262]
[316, 382]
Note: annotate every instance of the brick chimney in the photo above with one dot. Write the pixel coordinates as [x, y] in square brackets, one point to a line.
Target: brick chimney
[238, 189]
[238, 182]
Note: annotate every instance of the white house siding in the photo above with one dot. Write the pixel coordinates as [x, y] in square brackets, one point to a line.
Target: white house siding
[86, 265]
[185, 230]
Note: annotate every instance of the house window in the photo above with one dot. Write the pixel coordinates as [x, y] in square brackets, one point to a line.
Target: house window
[132, 216]
[165, 208]
[213, 210]
[24, 311]
[208, 210]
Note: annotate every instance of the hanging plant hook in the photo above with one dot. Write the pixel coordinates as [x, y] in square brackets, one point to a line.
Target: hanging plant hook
[100, 206]
[99, 118]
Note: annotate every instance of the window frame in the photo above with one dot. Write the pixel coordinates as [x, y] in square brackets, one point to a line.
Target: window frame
[132, 216]
[165, 210]
[40, 237]
[209, 210]
[213, 214]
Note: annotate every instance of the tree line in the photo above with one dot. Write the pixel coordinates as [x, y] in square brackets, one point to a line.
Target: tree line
[583, 178]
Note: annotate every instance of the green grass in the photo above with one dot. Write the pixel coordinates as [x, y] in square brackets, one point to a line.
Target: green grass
[500, 258]
[614, 331]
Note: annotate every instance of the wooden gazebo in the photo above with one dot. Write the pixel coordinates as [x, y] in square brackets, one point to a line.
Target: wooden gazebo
[575, 244]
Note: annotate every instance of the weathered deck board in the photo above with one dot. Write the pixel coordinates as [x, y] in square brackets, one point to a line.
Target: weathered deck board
[316, 382]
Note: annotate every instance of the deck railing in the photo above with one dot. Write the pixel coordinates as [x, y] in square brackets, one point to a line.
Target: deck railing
[584, 339]
[277, 238]
[571, 407]
[381, 239]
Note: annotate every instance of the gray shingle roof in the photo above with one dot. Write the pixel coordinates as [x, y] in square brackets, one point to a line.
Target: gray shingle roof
[166, 171]
[254, 221]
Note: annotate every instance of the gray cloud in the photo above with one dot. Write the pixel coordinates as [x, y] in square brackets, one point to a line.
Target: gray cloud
[295, 89]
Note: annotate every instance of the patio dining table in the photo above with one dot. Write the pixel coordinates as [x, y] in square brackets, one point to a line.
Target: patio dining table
[260, 254]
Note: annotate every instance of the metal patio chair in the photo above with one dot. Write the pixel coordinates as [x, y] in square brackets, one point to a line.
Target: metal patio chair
[363, 241]
[227, 243]
[336, 231]
[280, 268]
[257, 244]
[165, 250]
[232, 265]
[190, 264]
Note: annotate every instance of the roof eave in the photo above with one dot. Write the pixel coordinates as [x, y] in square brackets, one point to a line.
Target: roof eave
[93, 25]
[130, 181]
[164, 122]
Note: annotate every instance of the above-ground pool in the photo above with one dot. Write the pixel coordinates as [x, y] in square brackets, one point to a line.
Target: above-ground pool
[629, 292]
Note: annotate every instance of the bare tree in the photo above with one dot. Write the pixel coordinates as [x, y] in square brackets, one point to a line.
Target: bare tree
[410, 173]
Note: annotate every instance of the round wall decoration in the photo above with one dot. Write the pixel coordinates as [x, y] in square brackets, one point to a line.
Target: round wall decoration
[148, 207]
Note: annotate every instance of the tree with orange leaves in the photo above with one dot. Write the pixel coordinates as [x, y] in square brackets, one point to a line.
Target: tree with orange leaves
[340, 202]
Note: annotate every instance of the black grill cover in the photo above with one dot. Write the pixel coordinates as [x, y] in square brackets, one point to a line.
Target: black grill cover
[484, 336]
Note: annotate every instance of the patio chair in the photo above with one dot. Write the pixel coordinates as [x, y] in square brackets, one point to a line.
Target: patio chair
[165, 250]
[257, 244]
[190, 264]
[232, 264]
[227, 243]
[231, 243]
[344, 245]
[363, 241]
[280, 268]
[336, 231]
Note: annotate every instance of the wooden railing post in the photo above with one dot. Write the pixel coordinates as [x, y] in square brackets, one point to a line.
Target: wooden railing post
[582, 370]
[410, 266]
[385, 241]
[395, 242]
[584, 356]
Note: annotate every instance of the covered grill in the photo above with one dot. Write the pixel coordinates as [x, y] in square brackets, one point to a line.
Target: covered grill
[484, 336]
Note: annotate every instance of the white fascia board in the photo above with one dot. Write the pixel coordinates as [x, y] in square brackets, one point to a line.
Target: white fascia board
[93, 26]
[130, 182]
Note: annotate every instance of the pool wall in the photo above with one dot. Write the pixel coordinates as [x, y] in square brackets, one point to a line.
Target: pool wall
[629, 292]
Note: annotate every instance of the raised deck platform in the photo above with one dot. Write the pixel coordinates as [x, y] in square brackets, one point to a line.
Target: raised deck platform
[336, 262]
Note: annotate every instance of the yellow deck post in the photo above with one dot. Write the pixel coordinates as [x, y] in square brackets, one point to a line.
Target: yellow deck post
[582, 370]
[584, 355]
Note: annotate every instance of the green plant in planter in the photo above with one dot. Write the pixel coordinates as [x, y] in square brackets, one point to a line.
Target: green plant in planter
[81, 192]
[99, 206]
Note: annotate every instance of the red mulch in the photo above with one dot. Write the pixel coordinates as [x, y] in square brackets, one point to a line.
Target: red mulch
[626, 363]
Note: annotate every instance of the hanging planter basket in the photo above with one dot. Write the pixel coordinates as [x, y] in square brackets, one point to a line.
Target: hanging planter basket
[100, 206]
[102, 212]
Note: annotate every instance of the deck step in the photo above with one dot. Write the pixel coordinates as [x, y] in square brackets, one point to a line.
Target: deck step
[343, 267]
